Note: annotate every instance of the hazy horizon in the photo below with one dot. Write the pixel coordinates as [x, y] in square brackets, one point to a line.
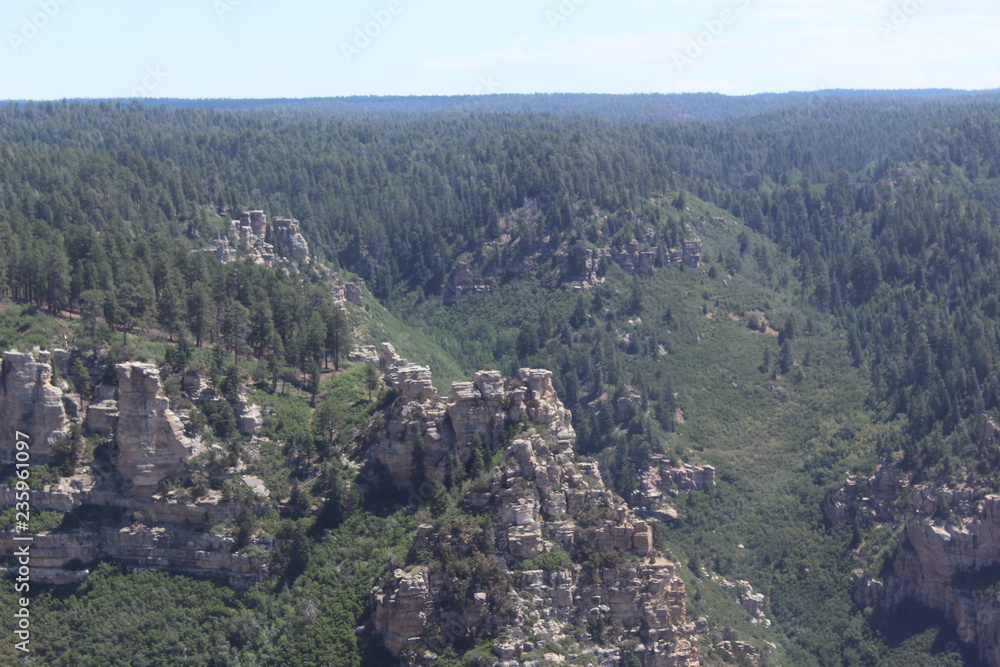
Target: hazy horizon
[307, 49]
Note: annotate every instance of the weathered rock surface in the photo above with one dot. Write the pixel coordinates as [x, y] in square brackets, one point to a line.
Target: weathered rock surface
[190, 552]
[401, 612]
[753, 603]
[248, 416]
[261, 243]
[284, 234]
[948, 553]
[543, 498]
[439, 434]
[30, 404]
[464, 280]
[667, 479]
[150, 437]
[150, 447]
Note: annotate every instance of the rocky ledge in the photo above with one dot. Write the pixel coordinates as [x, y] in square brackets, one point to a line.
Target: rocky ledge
[948, 556]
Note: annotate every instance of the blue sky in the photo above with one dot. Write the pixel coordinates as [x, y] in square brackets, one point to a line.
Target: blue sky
[53, 49]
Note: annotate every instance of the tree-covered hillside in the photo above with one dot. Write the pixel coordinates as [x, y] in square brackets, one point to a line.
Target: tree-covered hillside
[842, 312]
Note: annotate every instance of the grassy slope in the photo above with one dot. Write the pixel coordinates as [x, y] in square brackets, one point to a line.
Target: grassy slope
[776, 453]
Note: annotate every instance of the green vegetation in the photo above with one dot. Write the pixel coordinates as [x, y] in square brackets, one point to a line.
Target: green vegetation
[844, 313]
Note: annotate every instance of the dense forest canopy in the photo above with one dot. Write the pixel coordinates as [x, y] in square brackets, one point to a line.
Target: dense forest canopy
[865, 235]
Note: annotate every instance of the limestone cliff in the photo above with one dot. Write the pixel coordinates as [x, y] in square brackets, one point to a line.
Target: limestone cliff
[31, 404]
[148, 445]
[150, 437]
[948, 557]
[60, 558]
[604, 590]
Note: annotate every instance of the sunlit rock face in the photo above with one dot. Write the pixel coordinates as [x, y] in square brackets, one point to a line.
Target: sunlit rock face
[31, 404]
[542, 498]
[150, 437]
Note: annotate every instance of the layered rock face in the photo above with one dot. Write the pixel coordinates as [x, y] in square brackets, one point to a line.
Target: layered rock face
[29, 403]
[151, 447]
[150, 437]
[544, 500]
[635, 260]
[668, 479]
[436, 433]
[946, 564]
[57, 558]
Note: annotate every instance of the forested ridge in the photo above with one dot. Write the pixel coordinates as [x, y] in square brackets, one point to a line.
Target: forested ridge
[847, 297]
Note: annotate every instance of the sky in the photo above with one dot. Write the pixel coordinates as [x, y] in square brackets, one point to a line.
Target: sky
[56, 49]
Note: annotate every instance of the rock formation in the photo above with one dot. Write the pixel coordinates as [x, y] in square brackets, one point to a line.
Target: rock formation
[544, 501]
[61, 558]
[987, 429]
[150, 437]
[31, 404]
[248, 416]
[352, 293]
[948, 553]
[635, 260]
[288, 240]
[667, 479]
[252, 237]
[464, 281]
[433, 433]
[149, 446]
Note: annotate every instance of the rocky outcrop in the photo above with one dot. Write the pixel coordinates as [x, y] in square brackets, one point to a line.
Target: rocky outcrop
[401, 612]
[541, 488]
[288, 240]
[150, 446]
[248, 416]
[352, 293]
[948, 557]
[666, 479]
[740, 652]
[753, 603]
[364, 354]
[634, 259]
[691, 252]
[545, 502]
[987, 429]
[465, 281]
[586, 263]
[437, 434]
[477, 409]
[674, 477]
[150, 437]
[874, 496]
[30, 404]
[252, 238]
[63, 557]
